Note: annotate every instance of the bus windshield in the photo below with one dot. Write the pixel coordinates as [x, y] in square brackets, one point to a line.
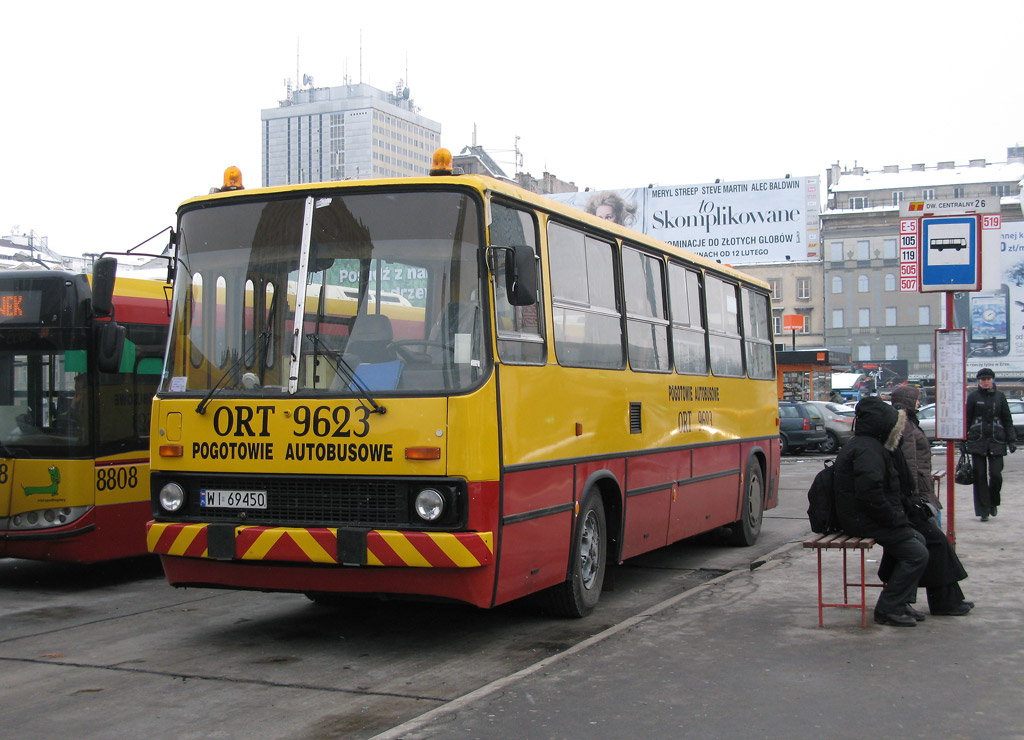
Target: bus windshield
[386, 287]
[44, 396]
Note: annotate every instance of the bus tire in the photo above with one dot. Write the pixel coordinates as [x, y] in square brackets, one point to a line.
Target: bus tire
[746, 530]
[578, 595]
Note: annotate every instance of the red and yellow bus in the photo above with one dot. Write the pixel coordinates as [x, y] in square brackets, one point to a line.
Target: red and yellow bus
[449, 387]
[76, 388]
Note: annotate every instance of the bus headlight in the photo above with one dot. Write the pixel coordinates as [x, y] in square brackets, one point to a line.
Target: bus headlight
[172, 497]
[429, 505]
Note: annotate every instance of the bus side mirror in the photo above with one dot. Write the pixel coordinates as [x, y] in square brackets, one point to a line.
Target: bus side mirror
[109, 347]
[521, 275]
[103, 272]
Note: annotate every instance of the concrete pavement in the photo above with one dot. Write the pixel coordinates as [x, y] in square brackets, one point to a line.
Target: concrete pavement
[743, 657]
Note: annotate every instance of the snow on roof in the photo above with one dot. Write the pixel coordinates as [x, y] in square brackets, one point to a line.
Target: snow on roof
[907, 178]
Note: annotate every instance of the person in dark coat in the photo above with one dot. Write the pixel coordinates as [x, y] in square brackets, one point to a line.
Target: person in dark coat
[869, 485]
[914, 444]
[990, 433]
[944, 567]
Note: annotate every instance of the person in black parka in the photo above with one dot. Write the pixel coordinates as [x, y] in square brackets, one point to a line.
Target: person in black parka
[944, 569]
[990, 432]
[869, 483]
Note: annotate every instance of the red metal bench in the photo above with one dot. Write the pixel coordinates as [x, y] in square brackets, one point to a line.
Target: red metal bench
[844, 543]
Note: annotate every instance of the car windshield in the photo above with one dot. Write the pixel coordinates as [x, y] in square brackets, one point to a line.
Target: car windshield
[388, 286]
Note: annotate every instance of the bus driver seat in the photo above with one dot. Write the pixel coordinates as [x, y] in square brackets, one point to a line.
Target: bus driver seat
[370, 340]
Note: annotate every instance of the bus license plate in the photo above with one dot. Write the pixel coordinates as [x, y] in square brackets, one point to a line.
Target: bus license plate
[232, 499]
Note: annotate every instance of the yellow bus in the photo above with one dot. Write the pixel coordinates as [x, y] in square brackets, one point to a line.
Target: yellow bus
[76, 389]
[559, 393]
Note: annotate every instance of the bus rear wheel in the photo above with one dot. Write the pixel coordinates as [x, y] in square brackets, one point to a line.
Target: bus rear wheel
[746, 530]
[578, 595]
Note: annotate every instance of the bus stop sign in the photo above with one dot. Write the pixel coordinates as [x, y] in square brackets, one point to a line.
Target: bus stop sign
[950, 253]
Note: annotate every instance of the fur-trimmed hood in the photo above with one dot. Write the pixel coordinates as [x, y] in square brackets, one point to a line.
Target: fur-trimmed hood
[877, 419]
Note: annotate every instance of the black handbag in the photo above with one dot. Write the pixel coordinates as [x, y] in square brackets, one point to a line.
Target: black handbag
[964, 469]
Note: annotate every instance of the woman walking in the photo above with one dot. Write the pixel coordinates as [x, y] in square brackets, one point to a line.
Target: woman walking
[990, 433]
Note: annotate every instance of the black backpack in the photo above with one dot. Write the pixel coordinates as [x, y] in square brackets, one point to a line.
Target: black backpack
[821, 501]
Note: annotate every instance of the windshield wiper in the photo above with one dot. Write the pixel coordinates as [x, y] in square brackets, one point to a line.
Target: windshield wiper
[232, 369]
[342, 368]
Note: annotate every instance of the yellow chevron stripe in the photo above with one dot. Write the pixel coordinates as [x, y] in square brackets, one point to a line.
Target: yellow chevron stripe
[314, 551]
[184, 538]
[262, 544]
[372, 559]
[453, 548]
[153, 535]
[405, 550]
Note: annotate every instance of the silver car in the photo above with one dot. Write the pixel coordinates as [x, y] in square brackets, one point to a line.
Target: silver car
[926, 418]
[838, 424]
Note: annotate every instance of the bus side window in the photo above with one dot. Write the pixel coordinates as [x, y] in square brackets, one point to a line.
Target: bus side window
[757, 338]
[688, 335]
[585, 310]
[723, 327]
[646, 321]
[520, 329]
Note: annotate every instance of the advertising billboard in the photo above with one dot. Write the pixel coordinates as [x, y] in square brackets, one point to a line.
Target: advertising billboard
[992, 318]
[736, 223]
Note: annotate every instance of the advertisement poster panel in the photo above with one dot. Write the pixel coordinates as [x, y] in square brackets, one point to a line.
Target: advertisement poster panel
[994, 319]
[737, 223]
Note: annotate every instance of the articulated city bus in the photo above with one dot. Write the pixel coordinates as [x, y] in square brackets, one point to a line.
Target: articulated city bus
[559, 393]
[78, 371]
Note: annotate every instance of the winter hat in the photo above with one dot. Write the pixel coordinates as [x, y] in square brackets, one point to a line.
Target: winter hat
[985, 372]
[906, 396]
[876, 418]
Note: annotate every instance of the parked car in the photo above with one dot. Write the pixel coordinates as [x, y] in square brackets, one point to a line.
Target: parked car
[926, 418]
[801, 426]
[838, 424]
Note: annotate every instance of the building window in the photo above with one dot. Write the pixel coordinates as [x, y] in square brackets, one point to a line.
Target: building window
[890, 282]
[892, 352]
[863, 317]
[807, 323]
[897, 197]
[777, 322]
[924, 315]
[890, 316]
[858, 202]
[928, 194]
[863, 249]
[889, 249]
[837, 318]
[1000, 190]
[803, 289]
[776, 286]
[863, 284]
[924, 353]
[864, 352]
[836, 251]
[837, 284]
[958, 192]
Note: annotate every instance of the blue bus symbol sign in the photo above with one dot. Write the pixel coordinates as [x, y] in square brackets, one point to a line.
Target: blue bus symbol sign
[950, 257]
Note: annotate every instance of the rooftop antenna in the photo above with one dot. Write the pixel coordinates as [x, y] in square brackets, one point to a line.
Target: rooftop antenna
[360, 56]
[297, 78]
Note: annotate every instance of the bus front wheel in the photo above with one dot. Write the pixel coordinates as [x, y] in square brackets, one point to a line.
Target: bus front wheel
[579, 593]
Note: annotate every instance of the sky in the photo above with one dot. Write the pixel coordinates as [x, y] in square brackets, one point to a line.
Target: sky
[114, 113]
